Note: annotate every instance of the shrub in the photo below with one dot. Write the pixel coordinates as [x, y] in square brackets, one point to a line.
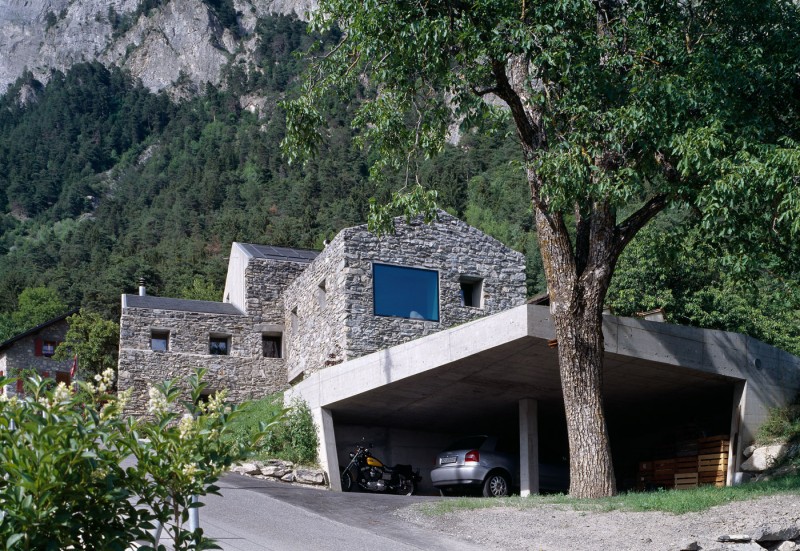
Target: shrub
[782, 424]
[294, 439]
[62, 452]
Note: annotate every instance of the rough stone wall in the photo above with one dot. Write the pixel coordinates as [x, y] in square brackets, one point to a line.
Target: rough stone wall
[265, 282]
[449, 246]
[22, 355]
[317, 336]
[245, 373]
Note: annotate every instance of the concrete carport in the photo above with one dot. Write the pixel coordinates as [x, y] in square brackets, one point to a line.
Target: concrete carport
[502, 371]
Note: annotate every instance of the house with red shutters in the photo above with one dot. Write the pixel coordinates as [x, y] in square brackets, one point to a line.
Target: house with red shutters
[32, 351]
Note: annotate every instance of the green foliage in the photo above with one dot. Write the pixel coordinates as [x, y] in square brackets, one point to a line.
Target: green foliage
[201, 289]
[670, 266]
[782, 425]
[94, 340]
[35, 305]
[66, 486]
[294, 439]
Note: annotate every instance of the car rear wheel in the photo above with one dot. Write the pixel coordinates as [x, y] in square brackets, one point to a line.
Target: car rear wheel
[496, 485]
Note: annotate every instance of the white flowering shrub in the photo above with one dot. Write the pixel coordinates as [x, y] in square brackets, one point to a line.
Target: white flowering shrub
[62, 484]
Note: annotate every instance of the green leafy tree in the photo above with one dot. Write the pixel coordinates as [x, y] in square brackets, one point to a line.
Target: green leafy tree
[201, 289]
[35, 305]
[94, 340]
[620, 109]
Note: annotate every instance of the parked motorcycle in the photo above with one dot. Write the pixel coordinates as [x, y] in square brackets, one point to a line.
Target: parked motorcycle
[365, 472]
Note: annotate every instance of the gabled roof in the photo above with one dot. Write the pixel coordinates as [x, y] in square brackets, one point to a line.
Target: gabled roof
[286, 254]
[36, 329]
[180, 304]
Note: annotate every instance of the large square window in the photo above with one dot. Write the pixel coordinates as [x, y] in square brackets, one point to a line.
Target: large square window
[405, 292]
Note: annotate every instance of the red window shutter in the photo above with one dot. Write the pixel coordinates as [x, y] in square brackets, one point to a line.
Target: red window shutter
[19, 386]
[45, 374]
[37, 347]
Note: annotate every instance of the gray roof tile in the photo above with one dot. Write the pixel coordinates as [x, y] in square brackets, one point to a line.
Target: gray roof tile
[182, 305]
[285, 254]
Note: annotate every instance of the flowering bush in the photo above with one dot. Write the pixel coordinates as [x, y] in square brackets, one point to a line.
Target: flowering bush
[64, 485]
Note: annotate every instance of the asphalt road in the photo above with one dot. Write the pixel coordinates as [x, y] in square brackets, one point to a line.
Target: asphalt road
[261, 515]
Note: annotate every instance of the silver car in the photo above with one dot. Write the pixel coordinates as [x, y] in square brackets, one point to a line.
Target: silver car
[482, 462]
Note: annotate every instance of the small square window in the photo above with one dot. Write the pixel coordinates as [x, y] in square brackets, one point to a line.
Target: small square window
[471, 292]
[271, 345]
[49, 348]
[159, 341]
[219, 346]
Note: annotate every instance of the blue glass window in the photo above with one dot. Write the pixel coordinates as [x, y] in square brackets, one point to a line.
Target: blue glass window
[406, 292]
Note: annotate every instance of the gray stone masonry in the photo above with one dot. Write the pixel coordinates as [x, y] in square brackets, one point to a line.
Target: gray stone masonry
[245, 373]
[21, 355]
[338, 324]
[265, 282]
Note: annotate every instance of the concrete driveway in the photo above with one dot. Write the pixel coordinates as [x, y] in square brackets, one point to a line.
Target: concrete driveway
[260, 515]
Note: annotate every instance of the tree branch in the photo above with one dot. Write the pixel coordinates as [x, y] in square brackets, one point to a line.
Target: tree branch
[628, 229]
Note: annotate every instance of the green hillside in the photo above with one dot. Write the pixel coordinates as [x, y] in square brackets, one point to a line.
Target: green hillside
[103, 182]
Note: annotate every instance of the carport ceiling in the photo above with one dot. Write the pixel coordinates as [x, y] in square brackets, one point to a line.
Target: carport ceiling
[490, 384]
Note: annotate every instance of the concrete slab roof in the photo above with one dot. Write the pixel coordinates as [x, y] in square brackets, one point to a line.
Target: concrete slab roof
[486, 366]
[180, 305]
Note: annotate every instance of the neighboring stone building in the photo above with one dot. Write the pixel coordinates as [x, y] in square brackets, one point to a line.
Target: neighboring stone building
[288, 313]
[33, 350]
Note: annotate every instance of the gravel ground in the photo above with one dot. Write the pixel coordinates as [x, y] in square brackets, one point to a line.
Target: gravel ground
[559, 528]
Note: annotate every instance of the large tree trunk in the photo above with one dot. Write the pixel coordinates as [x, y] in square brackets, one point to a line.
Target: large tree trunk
[578, 279]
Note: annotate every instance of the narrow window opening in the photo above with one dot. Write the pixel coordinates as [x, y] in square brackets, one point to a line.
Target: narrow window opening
[295, 320]
[219, 346]
[471, 292]
[271, 344]
[321, 295]
[159, 340]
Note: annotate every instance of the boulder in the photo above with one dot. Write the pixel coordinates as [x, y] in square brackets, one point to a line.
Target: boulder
[748, 451]
[247, 468]
[775, 532]
[307, 476]
[788, 546]
[289, 477]
[764, 457]
[275, 471]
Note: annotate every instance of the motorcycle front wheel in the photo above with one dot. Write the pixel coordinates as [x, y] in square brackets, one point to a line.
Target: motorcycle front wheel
[347, 482]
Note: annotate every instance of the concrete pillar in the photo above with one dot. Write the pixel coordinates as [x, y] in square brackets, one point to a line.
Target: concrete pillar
[328, 457]
[528, 447]
[736, 437]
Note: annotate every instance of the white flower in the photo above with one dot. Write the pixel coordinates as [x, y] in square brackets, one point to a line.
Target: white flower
[61, 393]
[185, 425]
[158, 402]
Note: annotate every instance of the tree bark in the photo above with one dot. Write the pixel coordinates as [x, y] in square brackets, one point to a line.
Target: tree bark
[577, 284]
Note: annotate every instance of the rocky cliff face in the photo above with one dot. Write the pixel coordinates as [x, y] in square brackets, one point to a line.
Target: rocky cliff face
[178, 46]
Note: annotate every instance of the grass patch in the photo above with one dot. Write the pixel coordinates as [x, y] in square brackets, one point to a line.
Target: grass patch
[669, 501]
[293, 438]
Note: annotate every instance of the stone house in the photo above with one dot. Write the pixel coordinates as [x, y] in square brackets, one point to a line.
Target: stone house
[287, 313]
[33, 351]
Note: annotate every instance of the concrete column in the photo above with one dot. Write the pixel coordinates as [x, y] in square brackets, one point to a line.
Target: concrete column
[328, 457]
[528, 447]
[737, 437]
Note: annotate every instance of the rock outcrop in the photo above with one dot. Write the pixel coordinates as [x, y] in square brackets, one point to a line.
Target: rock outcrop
[284, 471]
[178, 46]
